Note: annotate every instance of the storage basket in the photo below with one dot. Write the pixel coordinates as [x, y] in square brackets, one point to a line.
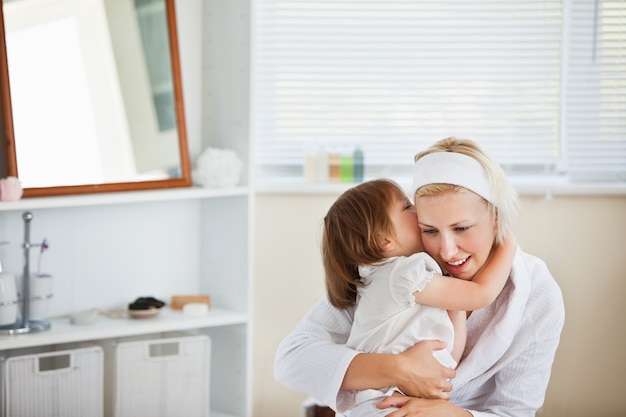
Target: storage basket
[162, 377]
[66, 383]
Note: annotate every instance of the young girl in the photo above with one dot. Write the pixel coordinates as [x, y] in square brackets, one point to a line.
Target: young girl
[374, 258]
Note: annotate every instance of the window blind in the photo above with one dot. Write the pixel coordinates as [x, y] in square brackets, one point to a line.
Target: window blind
[595, 114]
[392, 77]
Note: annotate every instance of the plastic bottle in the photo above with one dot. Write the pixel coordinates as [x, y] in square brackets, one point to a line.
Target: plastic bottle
[322, 165]
[334, 166]
[346, 168]
[310, 166]
[358, 167]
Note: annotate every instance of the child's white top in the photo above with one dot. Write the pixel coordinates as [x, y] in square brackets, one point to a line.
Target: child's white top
[387, 318]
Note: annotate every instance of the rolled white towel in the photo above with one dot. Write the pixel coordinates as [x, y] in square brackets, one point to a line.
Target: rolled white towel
[217, 168]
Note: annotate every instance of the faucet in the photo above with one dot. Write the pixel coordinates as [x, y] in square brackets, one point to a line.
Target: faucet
[25, 324]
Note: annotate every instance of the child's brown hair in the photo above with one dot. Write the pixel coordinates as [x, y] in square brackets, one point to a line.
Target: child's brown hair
[353, 228]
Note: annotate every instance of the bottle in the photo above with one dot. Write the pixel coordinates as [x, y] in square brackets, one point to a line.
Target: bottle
[358, 168]
[310, 166]
[346, 168]
[334, 166]
[322, 165]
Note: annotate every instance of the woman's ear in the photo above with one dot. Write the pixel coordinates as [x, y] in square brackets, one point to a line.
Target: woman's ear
[495, 220]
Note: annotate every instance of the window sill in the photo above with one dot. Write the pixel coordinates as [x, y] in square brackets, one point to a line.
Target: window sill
[525, 186]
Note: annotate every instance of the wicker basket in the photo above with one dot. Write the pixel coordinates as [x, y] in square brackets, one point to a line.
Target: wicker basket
[162, 377]
[65, 383]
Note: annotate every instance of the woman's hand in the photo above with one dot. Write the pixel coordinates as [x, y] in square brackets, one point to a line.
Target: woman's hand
[415, 371]
[419, 373]
[415, 407]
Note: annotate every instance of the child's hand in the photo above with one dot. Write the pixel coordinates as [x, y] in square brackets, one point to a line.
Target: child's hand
[510, 241]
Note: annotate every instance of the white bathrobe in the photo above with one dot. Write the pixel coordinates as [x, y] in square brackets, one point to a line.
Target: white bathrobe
[505, 368]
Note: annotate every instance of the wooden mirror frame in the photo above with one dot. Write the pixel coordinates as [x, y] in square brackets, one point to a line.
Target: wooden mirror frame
[9, 151]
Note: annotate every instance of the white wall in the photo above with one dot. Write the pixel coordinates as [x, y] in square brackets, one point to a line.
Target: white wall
[582, 239]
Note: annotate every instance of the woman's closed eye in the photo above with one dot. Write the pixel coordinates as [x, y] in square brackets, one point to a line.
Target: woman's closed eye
[458, 229]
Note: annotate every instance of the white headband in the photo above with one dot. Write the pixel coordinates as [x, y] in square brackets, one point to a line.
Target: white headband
[451, 168]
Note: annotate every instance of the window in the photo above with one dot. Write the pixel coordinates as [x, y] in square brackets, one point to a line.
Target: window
[540, 84]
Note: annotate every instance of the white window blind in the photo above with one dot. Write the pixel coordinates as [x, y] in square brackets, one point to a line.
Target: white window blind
[540, 84]
[595, 116]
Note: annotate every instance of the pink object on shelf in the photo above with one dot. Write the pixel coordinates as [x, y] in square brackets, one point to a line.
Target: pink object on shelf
[10, 189]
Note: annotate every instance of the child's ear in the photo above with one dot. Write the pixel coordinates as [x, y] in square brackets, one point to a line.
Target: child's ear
[387, 245]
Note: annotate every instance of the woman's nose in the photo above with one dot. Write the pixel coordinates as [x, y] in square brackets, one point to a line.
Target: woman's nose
[448, 247]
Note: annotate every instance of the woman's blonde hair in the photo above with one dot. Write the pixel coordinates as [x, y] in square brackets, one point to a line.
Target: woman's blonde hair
[504, 200]
[352, 233]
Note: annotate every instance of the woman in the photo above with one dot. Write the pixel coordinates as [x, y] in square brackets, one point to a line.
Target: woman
[374, 261]
[511, 343]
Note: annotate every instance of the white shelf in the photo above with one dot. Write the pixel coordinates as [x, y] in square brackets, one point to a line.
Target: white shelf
[126, 197]
[62, 331]
[220, 414]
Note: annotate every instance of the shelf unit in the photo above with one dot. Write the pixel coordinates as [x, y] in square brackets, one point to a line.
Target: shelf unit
[215, 226]
[62, 331]
[85, 200]
[107, 249]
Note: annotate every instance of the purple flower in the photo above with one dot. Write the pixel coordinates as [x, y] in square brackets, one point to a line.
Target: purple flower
[44, 245]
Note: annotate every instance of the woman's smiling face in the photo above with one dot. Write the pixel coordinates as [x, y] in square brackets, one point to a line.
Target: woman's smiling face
[458, 230]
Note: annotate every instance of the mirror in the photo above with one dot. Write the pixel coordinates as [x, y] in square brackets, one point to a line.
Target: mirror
[92, 96]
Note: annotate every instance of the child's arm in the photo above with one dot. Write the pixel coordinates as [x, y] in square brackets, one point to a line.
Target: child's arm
[457, 294]
[459, 323]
